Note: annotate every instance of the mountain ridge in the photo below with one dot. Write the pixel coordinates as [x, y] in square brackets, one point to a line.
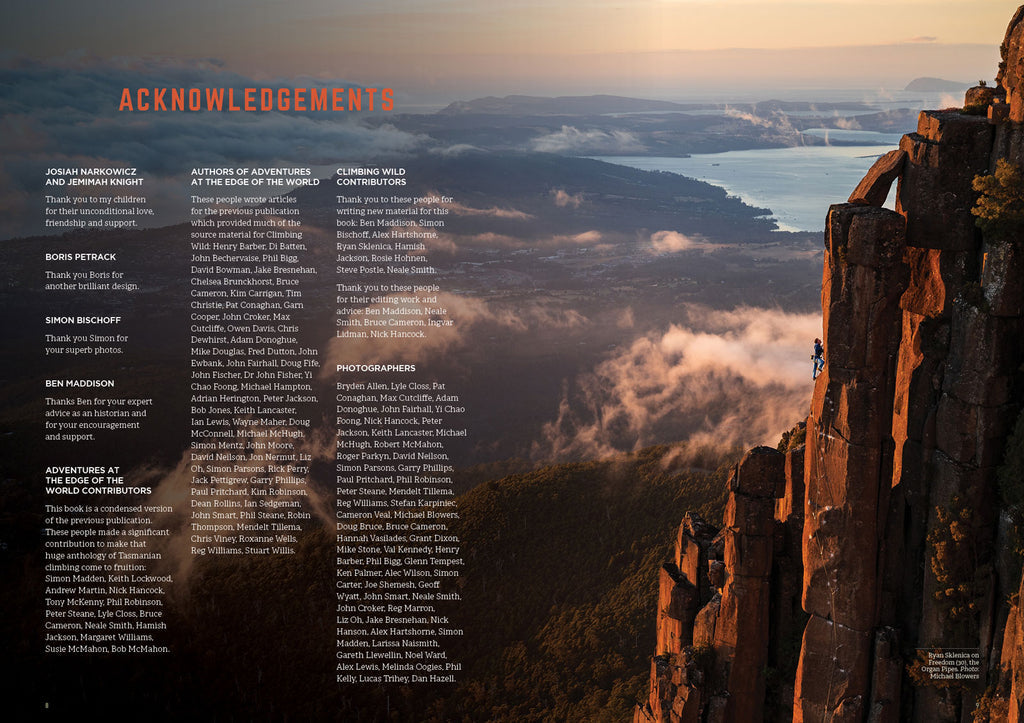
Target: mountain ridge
[936, 85]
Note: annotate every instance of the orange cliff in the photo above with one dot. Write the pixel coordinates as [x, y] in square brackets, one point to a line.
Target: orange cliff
[843, 562]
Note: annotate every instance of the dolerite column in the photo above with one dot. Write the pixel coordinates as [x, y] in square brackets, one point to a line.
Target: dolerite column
[942, 255]
[742, 629]
[947, 343]
[848, 460]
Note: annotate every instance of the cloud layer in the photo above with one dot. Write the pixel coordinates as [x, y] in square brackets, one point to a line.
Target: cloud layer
[470, 316]
[573, 140]
[723, 379]
[667, 242]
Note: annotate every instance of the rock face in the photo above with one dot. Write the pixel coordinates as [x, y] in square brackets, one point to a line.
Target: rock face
[1011, 70]
[845, 562]
[848, 460]
[747, 579]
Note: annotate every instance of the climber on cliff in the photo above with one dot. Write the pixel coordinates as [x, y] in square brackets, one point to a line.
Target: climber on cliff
[818, 358]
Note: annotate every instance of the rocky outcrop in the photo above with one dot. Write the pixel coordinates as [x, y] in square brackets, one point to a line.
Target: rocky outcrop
[1011, 70]
[747, 577]
[849, 565]
[982, 96]
[741, 633]
[678, 680]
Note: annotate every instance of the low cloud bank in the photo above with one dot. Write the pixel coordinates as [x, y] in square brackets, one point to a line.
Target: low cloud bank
[720, 380]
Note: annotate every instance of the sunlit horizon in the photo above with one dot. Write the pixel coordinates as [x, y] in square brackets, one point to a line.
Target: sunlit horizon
[458, 48]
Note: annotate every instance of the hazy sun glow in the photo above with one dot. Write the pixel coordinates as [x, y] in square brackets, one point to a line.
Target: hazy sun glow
[532, 44]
